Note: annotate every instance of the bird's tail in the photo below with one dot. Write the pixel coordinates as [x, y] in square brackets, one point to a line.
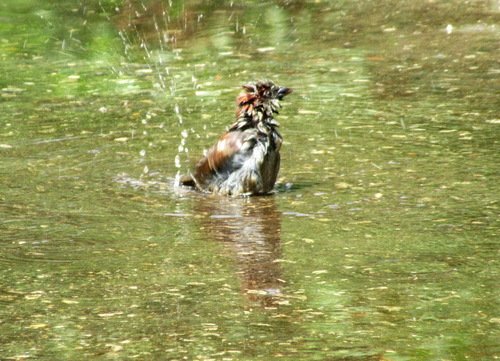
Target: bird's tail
[187, 180]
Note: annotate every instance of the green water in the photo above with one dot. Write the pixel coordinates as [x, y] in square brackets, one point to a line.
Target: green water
[381, 242]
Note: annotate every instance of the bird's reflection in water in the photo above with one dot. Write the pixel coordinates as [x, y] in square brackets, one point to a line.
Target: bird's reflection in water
[251, 228]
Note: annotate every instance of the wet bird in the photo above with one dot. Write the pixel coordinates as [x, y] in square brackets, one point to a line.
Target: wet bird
[246, 159]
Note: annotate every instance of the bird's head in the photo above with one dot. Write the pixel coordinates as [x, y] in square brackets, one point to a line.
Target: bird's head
[261, 99]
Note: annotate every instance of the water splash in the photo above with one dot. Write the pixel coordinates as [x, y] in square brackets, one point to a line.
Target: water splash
[182, 148]
[148, 31]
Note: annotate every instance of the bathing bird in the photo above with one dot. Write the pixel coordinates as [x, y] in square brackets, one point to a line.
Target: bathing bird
[245, 160]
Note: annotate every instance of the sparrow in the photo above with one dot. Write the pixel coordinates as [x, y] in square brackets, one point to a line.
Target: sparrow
[246, 159]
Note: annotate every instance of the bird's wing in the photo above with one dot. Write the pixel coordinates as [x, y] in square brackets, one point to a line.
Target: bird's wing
[226, 156]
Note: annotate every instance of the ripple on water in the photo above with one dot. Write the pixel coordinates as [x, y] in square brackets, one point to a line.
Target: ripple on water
[42, 251]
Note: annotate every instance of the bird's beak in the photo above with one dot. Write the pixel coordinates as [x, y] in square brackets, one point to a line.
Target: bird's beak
[283, 91]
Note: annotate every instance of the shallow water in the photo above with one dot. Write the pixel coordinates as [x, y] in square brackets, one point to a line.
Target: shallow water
[380, 242]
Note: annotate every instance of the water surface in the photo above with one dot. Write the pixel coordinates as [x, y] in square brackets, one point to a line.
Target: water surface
[380, 242]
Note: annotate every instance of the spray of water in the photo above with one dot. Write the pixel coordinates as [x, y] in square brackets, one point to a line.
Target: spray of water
[155, 52]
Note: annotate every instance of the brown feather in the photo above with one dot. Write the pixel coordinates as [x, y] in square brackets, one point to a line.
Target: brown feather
[227, 145]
